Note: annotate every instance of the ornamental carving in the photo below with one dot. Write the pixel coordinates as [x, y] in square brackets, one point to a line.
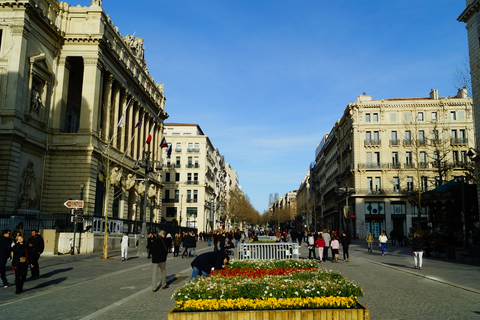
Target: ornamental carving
[28, 192]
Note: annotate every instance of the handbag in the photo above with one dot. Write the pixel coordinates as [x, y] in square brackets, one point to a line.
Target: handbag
[23, 259]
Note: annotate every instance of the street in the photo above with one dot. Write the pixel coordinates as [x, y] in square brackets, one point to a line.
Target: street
[89, 287]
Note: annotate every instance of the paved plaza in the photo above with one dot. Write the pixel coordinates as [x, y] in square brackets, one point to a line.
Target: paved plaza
[89, 287]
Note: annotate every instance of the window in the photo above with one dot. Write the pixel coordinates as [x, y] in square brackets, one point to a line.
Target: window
[423, 159]
[179, 147]
[455, 157]
[420, 116]
[369, 158]
[189, 178]
[177, 195]
[453, 115]
[189, 196]
[189, 163]
[376, 159]
[195, 178]
[369, 185]
[197, 147]
[463, 156]
[436, 159]
[437, 181]
[461, 136]
[393, 117]
[424, 181]
[375, 117]
[167, 195]
[421, 137]
[367, 117]
[435, 137]
[406, 116]
[378, 184]
[434, 116]
[177, 162]
[167, 177]
[396, 184]
[408, 159]
[177, 176]
[394, 138]
[376, 138]
[196, 162]
[195, 196]
[190, 147]
[368, 138]
[408, 137]
[395, 159]
[1, 31]
[171, 212]
[409, 183]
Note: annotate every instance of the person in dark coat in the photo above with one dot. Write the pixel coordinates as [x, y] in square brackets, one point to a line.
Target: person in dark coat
[150, 239]
[417, 248]
[204, 263]
[345, 241]
[159, 252]
[20, 263]
[35, 249]
[192, 245]
[5, 254]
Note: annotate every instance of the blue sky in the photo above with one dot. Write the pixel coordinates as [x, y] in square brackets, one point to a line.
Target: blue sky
[266, 79]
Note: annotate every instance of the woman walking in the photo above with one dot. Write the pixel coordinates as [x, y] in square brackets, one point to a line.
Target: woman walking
[20, 263]
[383, 242]
[320, 244]
[345, 240]
[417, 248]
[335, 245]
[369, 240]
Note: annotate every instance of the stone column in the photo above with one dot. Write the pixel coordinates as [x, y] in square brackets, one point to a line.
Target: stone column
[117, 113]
[106, 108]
[90, 92]
[61, 94]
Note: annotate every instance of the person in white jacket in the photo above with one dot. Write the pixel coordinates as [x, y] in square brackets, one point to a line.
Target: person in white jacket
[124, 243]
[383, 243]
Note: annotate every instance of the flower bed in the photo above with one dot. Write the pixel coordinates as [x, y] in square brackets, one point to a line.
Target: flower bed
[268, 285]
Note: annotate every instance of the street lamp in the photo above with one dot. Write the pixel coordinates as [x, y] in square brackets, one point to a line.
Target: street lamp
[346, 210]
[147, 164]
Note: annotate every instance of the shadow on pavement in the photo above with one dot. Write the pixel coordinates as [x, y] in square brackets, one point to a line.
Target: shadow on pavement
[54, 272]
[48, 283]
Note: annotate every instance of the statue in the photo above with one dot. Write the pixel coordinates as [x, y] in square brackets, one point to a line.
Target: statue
[35, 101]
[96, 3]
[129, 181]
[116, 175]
[27, 195]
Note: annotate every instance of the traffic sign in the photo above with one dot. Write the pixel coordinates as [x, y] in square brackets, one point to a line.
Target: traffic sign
[78, 211]
[77, 219]
[74, 204]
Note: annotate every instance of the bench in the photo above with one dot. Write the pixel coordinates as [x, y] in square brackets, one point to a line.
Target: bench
[472, 252]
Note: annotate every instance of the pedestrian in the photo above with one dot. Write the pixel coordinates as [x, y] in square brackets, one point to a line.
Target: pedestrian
[335, 249]
[383, 242]
[185, 242]
[369, 240]
[299, 237]
[192, 245]
[124, 245]
[206, 262]
[320, 244]
[177, 241]
[215, 241]
[5, 254]
[150, 239]
[311, 246]
[35, 249]
[393, 237]
[345, 240]
[326, 236]
[20, 263]
[417, 248]
[159, 251]
[221, 241]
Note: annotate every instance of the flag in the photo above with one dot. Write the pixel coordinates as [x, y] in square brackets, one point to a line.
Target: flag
[139, 123]
[122, 118]
[149, 138]
[169, 151]
[164, 143]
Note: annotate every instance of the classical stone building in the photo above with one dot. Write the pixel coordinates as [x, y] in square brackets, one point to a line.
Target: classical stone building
[376, 159]
[196, 179]
[77, 105]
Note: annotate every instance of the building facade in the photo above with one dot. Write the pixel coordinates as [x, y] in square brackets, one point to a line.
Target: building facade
[382, 154]
[196, 179]
[77, 105]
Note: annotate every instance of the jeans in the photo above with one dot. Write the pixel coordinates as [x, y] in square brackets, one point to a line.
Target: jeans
[190, 251]
[325, 253]
[320, 253]
[196, 272]
[384, 248]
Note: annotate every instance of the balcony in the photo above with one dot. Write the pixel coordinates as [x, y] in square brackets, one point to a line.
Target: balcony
[193, 150]
[170, 200]
[407, 142]
[373, 166]
[190, 182]
[394, 142]
[458, 141]
[193, 165]
[372, 142]
[409, 165]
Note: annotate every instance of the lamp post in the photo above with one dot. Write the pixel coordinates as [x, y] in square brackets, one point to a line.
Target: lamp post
[146, 163]
[347, 192]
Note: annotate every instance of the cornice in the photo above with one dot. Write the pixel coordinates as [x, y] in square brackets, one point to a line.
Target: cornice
[471, 9]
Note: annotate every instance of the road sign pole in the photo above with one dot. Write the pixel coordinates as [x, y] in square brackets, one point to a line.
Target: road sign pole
[74, 231]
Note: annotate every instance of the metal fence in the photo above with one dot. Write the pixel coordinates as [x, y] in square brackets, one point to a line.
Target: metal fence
[278, 250]
[27, 221]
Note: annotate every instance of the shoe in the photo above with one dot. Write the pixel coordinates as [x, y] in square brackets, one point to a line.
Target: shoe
[415, 267]
[155, 290]
[419, 268]
[165, 287]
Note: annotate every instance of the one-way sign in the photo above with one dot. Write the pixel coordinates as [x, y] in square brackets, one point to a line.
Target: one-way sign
[74, 204]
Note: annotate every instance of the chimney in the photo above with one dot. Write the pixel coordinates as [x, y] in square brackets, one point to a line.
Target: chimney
[434, 94]
[462, 93]
[364, 97]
